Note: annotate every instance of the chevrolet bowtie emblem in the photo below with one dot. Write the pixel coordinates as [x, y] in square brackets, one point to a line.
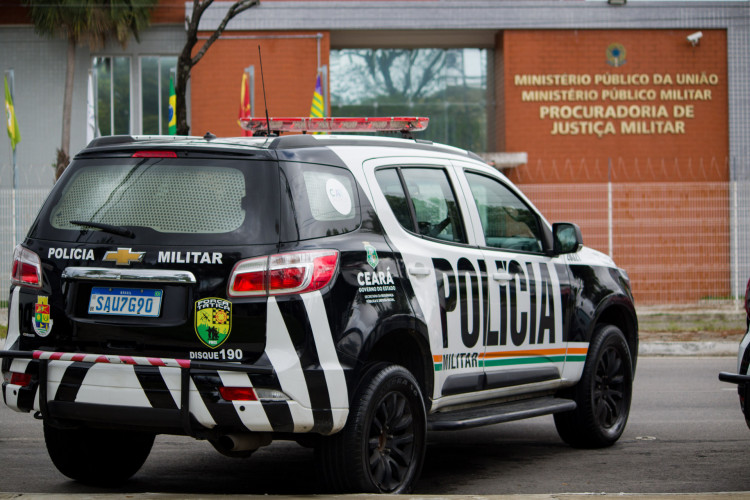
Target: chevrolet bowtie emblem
[123, 256]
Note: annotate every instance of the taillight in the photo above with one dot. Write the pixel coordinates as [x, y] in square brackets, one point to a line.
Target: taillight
[22, 379]
[286, 273]
[27, 268]
[238, 394]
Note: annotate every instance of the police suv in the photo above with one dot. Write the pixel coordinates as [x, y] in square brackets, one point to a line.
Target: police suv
[347, 292]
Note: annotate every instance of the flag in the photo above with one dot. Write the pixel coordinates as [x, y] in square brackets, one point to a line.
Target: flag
[245, 110]
[13, 132]
[317, 110]
[172, 106]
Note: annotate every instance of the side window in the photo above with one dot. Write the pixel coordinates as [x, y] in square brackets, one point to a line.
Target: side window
[507, 221]
[321, 201]
[390, 184]
[428, 207]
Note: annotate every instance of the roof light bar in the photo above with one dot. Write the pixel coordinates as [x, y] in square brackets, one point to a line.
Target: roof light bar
[336, 125]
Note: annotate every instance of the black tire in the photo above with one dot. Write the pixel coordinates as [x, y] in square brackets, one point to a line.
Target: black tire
[603, 394]
[97, 457]
[381, 449]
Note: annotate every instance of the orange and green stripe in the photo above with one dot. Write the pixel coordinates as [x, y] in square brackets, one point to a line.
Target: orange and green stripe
[524, 357]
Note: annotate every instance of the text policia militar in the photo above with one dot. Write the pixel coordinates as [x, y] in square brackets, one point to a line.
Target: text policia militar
[608, 104]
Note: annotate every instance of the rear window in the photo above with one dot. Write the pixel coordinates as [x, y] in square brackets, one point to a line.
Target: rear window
[172, 200]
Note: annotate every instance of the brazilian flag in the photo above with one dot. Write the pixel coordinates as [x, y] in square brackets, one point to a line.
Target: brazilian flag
[172, 105]
[13, 132]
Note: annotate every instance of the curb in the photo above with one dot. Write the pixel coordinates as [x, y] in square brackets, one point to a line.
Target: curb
[656, 348]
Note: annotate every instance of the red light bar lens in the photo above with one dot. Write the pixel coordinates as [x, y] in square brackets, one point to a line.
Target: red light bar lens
[154, 154]
[338, 124]
[238, 394]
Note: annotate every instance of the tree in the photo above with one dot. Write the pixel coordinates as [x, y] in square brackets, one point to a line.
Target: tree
[187, 60]
[85, 22]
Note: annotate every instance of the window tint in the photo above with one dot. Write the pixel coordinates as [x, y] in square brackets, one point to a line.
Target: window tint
[507, 221]
[390, 184]
[165, 198]
[431, 199]
[165, 201]
[323, 201]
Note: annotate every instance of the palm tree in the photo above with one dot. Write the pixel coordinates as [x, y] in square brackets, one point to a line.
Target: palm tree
[85, 22]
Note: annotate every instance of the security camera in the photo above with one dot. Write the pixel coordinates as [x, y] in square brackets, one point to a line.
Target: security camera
[695, 38]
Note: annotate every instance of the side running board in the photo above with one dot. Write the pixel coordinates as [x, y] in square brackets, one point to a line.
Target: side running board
[499, 413]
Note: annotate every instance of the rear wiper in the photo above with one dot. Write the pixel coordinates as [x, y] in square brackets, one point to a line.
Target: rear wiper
[109, 228]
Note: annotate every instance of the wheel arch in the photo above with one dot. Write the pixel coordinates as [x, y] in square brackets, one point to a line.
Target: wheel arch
[618, 310]
[404, 346]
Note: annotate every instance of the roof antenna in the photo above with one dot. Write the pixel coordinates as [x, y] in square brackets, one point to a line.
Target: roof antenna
[263, 84]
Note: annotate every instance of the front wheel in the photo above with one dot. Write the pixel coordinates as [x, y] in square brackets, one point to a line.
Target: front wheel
[603, 394]
[381, 449]
[96, 456]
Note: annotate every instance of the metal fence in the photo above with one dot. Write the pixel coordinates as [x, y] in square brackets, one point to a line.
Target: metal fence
[681, 242]
[676, 240]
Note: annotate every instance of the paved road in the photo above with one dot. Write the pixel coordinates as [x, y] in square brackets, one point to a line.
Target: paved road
[685, 435]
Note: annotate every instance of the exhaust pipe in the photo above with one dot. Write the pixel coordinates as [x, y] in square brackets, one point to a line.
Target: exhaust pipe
[240, 445]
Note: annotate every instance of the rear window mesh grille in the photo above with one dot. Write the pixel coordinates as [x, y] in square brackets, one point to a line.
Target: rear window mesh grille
[168, 199]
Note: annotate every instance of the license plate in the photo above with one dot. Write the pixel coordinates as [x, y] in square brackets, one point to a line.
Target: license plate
[125, 301]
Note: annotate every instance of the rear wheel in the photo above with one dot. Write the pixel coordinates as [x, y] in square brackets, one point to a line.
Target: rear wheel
[95, 456]
[603, 394]
[381, 449]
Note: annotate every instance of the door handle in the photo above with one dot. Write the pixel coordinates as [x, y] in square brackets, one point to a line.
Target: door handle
[419, 270]
[502, 276]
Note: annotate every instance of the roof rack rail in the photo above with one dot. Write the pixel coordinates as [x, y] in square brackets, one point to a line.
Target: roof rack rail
[261, 126]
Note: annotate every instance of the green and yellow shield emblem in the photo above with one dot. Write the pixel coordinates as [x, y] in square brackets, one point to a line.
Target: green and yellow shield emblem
[372, 255]
[213, 321]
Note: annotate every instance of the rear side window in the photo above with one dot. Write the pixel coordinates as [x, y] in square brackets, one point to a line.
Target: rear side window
[428, 206]
[319, 201]
[165, 201]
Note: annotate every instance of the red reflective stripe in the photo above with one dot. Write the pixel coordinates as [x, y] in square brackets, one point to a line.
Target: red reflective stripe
[156, 362]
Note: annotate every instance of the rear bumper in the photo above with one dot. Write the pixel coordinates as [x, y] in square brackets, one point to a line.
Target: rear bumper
[175, 396]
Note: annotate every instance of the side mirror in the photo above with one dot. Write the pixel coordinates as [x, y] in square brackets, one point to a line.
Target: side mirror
[567, 237]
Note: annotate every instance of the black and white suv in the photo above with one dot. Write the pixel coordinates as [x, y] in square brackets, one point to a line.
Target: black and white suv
[350, 293]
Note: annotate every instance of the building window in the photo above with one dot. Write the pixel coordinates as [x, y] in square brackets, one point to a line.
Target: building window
[448, 86]
[112, 94]
[155, 74]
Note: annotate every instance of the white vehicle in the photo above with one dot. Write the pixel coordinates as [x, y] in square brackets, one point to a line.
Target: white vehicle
[350, 293]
